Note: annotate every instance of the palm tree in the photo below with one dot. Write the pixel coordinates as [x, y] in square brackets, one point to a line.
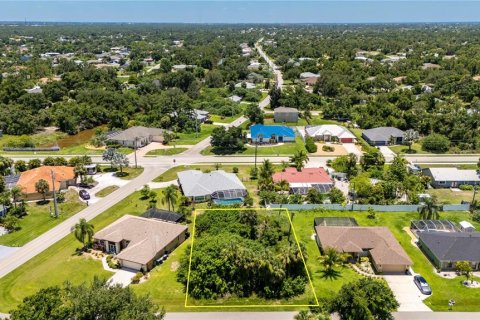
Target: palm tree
[429, 210]
[42, 187]
[83, 232]
[170, 196]
[265, 181]
[16, 194]
[299, 159]
[331, 259]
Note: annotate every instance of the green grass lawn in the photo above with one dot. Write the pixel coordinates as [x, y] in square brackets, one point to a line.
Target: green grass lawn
[39, 219]
[60, 263]
[127, 174]
[286, 149]
[416, 149]
[222, 119]
[443, 289]
[451, 197]
[194, 138]
[106, 191]
[466, 166]
[166, 152]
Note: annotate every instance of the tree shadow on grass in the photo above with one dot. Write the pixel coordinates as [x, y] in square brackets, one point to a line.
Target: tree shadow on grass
[121, 174]
[330, 274]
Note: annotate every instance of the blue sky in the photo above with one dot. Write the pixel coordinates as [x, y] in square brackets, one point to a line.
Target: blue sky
[234, 11]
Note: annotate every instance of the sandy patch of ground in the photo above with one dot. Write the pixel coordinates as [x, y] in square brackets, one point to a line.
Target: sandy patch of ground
[339, 150]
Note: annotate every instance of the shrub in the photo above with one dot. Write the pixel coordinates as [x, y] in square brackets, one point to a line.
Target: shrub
[60, 197]
[310, 145]
[436, 143]
[235, 170]
[465, 187]
[114, 264]
[327, 148]
[136, 278]
[254, 173]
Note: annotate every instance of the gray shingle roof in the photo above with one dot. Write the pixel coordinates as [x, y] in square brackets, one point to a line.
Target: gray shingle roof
[195, 183]
[383, 133]
[453, 246]
[137, 131]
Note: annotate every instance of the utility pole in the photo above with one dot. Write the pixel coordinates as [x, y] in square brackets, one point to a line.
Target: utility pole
[55, 206]
[136, 139]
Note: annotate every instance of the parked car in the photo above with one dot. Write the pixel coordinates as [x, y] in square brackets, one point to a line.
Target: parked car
[84, 194]
[422, 285]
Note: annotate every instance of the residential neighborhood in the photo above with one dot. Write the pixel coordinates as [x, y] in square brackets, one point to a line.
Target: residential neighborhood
[239, 171]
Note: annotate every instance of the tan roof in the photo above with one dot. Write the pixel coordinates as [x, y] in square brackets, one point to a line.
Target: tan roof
[147, 236]
[30, 177]
[379, 241]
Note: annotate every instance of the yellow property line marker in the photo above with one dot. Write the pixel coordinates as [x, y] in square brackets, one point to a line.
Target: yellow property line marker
[251, 305]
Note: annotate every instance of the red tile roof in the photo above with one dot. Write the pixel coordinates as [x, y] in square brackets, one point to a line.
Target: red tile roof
[307, 175]
[30, 177]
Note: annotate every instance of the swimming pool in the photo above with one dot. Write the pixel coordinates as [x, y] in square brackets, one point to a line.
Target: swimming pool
[228, 202]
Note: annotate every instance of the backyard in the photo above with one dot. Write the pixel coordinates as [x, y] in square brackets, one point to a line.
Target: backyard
[39, 219]
[449, 196]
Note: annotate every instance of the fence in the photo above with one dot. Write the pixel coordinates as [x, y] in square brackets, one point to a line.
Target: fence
[56, 148]
[365, 207]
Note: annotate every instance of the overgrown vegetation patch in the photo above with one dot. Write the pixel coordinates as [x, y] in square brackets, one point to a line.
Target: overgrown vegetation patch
[246, 254]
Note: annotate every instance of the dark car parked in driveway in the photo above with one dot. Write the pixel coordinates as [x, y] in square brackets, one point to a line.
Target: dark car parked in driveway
[422, 285]
[84, 194]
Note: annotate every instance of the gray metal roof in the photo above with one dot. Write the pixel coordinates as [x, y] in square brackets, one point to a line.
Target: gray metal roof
[383, 133]
[137, 131]
[452, 174]
[195, 183]
[285, 110]
[453, 246]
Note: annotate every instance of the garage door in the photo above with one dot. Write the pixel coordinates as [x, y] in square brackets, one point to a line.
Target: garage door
[346, 140]
[131, 265]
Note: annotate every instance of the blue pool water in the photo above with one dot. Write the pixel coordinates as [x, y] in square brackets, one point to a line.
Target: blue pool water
[228, 202]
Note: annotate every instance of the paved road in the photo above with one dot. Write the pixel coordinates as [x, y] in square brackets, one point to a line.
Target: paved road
[55, 234]
[276, 70]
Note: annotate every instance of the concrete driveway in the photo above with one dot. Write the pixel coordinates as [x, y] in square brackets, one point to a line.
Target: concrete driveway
[388, 154]
[407, 293]
[104, 180]
[122, 277]
[352, 148]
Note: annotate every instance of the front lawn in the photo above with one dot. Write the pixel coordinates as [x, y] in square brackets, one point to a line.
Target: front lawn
[127, 174]
[166, 152]
[223, 119]
[194, 137]
[40, 220]
[402, 149]
[285, 149]
[106, 191]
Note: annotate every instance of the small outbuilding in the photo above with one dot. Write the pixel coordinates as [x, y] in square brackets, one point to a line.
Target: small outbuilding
[466, 226]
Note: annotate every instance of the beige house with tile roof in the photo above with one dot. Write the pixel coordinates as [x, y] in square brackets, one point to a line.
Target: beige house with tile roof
[378, 243]
[137, 242]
